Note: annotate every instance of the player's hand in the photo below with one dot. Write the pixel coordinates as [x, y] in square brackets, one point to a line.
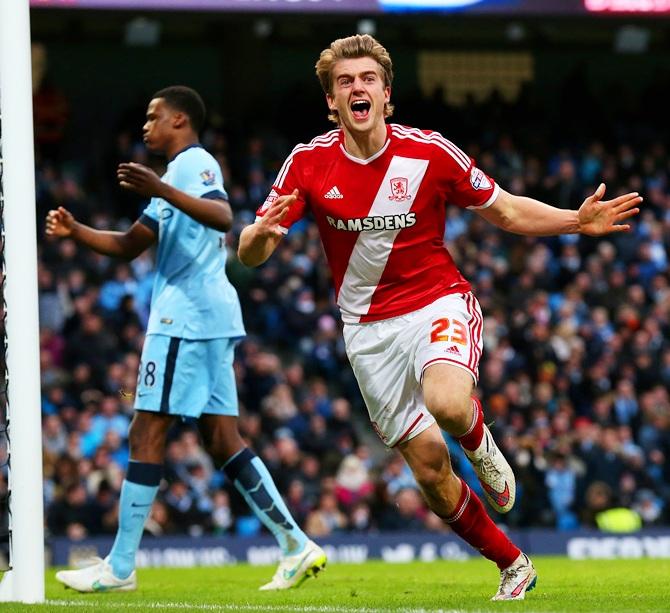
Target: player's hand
[270, 223]
[59, 222]
[140, 179]
[597, 216]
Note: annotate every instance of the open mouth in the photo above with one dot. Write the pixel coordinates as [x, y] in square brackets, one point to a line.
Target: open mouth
[360, 109]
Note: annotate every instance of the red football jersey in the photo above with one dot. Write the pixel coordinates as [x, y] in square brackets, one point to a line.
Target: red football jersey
[382, 219]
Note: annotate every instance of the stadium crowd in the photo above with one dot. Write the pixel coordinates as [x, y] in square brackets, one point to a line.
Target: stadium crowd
[575, 373]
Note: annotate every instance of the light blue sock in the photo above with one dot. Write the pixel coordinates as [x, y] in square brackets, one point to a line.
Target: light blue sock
[254, 482]
[137, 495]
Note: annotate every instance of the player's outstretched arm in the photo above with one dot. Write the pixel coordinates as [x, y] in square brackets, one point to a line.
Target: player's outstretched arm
[61, 223]
[216, 214]
[595, 217]
[259, 240]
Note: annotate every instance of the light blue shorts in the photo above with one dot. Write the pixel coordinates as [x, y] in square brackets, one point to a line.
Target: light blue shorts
[187, 377]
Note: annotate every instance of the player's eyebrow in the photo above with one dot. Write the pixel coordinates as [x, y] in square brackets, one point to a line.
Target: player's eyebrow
[346, 75]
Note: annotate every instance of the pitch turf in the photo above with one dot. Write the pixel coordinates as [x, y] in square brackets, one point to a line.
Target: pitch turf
[563, 585]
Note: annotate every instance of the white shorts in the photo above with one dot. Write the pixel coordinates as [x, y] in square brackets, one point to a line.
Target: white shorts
[390, 356]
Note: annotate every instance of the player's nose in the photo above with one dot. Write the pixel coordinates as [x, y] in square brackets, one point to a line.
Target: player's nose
[358, 84]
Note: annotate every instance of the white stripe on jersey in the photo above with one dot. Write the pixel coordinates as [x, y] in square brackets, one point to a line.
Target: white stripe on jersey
[372, 249]
[434, 138]
[325, 140]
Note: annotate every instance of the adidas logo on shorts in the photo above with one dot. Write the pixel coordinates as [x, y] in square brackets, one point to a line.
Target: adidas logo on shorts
[453, 350]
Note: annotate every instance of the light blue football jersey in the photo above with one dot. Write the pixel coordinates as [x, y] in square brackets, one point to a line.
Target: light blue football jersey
[192, 297]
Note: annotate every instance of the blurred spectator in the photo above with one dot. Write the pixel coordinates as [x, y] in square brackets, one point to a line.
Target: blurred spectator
[327, 518]
[159, 522]
[561, 482]
[50, 107]
[222, 516]
[75, 515]
[352, 481]
[54, 437]
[407, 514]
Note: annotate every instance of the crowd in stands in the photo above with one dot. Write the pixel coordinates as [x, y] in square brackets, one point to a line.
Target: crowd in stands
[575, 373]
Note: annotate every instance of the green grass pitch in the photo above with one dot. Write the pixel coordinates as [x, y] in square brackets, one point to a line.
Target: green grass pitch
[563, 585]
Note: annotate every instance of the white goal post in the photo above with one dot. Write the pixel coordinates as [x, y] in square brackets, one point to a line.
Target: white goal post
[25, 581]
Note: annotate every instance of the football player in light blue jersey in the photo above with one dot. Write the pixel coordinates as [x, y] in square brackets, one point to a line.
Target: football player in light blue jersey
[187, 359]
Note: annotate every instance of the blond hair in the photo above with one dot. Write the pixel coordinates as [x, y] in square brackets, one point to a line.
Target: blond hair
[352, 47]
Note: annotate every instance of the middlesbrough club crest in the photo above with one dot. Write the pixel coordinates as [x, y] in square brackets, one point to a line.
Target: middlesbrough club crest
[399, 190]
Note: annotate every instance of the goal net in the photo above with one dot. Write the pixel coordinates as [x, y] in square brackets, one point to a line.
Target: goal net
[4, 381]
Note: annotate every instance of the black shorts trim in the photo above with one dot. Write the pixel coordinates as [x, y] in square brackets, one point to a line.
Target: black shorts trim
[170, 364]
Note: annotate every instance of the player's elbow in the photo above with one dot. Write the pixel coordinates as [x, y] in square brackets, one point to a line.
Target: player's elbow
[224, 217]
[507, 220]
[224, 225]
[504, 213]
[130, 252]
[127, 249]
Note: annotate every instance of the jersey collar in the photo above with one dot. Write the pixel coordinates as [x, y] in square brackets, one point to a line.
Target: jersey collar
[194, 145]
[372, 158]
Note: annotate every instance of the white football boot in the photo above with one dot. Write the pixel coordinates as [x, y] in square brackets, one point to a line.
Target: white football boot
[516, 580]
[495, 474]
[97, 577]
[293, 570]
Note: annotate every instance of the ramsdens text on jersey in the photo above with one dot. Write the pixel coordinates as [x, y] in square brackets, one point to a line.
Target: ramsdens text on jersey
[379, 222]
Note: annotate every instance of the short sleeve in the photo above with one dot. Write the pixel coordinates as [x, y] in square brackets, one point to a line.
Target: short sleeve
[198, 174]
[474, 189]
[288, 179]
[464, 184]
[149, 216]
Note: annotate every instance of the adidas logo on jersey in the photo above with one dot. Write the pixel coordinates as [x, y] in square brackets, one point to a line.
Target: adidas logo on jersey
[333, 194]
[453, 349]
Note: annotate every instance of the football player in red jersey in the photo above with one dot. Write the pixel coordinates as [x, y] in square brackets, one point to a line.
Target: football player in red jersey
[412, 327]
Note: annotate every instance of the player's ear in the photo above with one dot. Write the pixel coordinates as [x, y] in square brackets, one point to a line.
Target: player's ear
[330, 101]
[179, 120]
[387, 93]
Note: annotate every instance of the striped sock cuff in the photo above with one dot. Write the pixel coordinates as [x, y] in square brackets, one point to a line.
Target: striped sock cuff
[475, 414]
[144, 473]
[235, 464]
[462, 503]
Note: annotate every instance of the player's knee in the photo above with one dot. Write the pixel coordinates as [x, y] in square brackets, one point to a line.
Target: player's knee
[448, 407]
[447, 393]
